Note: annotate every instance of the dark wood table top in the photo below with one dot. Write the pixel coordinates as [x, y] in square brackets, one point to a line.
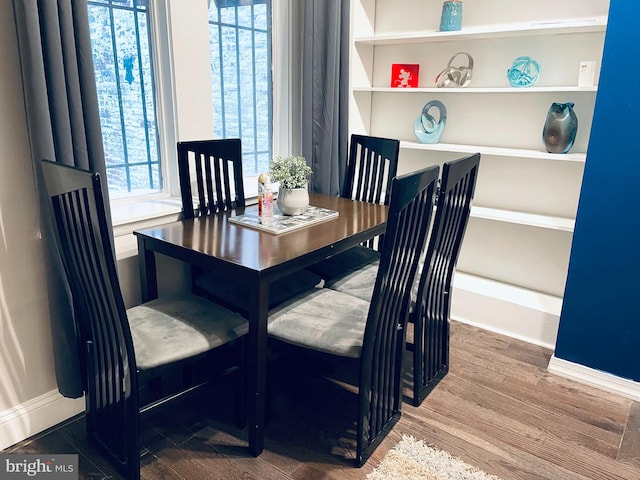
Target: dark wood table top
[214, 237]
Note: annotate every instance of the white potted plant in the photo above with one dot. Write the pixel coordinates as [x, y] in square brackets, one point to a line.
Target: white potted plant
[292, 173]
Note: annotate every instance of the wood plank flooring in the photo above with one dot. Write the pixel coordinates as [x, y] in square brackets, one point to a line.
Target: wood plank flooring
[497, 409]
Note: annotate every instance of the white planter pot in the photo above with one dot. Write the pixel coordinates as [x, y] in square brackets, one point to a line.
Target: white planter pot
[293, 201]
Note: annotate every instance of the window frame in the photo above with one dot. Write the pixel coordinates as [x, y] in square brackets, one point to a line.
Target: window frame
[164, 100]
[164, 29]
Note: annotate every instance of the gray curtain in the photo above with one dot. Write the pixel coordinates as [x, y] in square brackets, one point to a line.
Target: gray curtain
[325, 94]
[63, 120]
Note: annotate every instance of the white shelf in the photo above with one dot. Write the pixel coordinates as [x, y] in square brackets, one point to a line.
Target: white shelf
[523, 296]
[495, 151]
[477, 89]
[579, 25]
[522, 218]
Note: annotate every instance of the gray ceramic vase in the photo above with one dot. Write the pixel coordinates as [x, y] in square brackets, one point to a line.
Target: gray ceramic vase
[560, 128]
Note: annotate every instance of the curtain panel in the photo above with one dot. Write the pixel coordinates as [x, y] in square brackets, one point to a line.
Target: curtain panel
[325, 91]
[63, 120]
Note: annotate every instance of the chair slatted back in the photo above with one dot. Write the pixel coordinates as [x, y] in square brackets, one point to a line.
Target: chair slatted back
[216, 168]
[410, 209]
[372, 164]
[84, 242]
[433, 305]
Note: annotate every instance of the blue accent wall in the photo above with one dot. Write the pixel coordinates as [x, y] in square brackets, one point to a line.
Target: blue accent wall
[600, 319]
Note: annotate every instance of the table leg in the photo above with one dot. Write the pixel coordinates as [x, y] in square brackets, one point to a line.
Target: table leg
[257, 363]
[148, 274]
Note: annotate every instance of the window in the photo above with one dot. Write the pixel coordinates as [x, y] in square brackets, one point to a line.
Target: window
[121, 46]
[240, 48]
[155, 60]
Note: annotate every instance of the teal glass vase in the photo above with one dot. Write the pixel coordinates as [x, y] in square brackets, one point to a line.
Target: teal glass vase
[451, 18]
[524, 72]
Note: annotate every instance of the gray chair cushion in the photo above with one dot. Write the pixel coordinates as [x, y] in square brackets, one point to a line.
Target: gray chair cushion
[173, 328]
[357, 284]
[361, 282]
[324, 320]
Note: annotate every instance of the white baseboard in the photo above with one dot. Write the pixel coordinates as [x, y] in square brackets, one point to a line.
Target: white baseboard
[36, 415]
[595, 378]
[506, 309]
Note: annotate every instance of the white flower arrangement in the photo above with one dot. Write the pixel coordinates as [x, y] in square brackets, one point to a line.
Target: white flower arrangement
[290, 172]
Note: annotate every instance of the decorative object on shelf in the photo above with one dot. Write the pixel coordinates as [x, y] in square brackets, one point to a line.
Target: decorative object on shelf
[587, 74]
[404, 75]
[560, 128]
[451, 19]
[427, 128]
[456, 76]
[292, 173]
[524, 72]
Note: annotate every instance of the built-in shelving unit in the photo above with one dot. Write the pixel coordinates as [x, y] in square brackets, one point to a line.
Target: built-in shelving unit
[519, 234]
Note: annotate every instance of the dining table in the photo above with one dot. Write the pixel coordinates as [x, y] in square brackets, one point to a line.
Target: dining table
[258, 258]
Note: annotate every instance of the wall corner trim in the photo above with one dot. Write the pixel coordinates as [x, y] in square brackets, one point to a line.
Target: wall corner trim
[595, 378]
[36, 415]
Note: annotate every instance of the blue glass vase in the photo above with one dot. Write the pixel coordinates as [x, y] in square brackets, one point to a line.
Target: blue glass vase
[451, 19]
[560, 128]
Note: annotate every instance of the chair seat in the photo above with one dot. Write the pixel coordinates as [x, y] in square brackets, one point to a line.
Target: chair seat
[324, 320]
[360, 283]
[171, 329]
[230, 292]
[345, 262]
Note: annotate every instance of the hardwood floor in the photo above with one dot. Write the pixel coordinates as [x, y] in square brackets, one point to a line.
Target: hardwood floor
[497, 409]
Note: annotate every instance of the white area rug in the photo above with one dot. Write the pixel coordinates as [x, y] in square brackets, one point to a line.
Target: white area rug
[412, 459]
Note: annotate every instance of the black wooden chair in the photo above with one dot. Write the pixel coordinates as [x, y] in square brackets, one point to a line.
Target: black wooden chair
[215, 168]
[373, 333]
[371, 166]
[430, 315]
[130, 355]
[431, 293]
